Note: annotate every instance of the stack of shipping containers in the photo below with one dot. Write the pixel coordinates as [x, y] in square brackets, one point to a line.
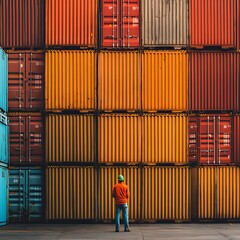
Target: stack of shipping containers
[144, 88]
[22, 36]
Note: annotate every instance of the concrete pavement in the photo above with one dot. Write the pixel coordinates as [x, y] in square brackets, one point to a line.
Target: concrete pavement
[106, 231]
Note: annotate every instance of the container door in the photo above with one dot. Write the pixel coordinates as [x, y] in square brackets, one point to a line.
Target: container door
[3, 196]
[3, 81]
[4, 154]
[192, 139]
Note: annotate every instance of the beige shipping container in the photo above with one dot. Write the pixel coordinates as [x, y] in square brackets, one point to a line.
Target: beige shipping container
[164, 80]
[119, 79]
[219, 192]
[119, 138]
[165, 193]
[70, 80]
[165, 23]
[164, 138]
[70, 193]
[106, 180]
[70, 138]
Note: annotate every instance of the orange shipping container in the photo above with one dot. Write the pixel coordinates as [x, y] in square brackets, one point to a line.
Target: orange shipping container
[119, 80]
[164, 80]
[70, 80]
[71, 22]
[164, 138]
[70, 193]
[70, 138]
[165, 193]
[106, 180]
[119, 138]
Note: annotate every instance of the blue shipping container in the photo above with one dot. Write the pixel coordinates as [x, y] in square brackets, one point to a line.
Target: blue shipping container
[4, 135]
[3, 195]
[3, 81]
[25, 195]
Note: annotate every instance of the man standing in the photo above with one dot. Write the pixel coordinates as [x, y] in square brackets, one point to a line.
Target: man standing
[121, 195]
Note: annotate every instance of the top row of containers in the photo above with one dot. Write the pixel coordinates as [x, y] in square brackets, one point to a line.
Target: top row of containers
[121, 23]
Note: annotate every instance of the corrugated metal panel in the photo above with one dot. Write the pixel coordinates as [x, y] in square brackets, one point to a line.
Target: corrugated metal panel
[214, 81]
[219, 192]
[70, 138]
[25, 81]
[164, 138]
[236, 139]
[71, 22]
[4, 136]
[164, 80]
[107, 179]
[119, 138]
[3, 81]
[119, 80]
[70, 80]
[210, 139]
[26, 138]
[213, 23]
[3, 195]
[22, 23]
[120, 23]
[165, 22]
[165, 193]
[70, 193]
[25, 195]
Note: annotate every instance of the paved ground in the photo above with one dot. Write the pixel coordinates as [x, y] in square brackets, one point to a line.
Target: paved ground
[106, 231]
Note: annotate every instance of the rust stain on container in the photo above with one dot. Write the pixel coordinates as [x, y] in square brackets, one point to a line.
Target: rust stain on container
[70, 138]
[70, 80]
[213, 23]
[164, 80]
[26, 138]
[70, 193]
[119, 138]
[120, 23]
[164, 138]
[210, 139]
[71, 22]
[22, 23]
[119, 80]
[25, 81]
[219, 193]
[165, 23]
[106, 180]
[214, 81]
[165, 193]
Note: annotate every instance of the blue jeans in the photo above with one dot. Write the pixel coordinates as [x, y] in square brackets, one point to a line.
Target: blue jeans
[124, 208]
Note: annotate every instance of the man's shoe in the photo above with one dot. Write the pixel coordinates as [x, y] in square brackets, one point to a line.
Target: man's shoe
[117, 230]
[127, 230]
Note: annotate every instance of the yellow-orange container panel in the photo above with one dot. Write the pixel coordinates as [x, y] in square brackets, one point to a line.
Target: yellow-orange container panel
[119, 138]
[164, 80]
[70, 80]
[70, 193]
[106, 179]
[70, 138]
[119, 82]
[71, 22]
[164, 138]
[165, 193]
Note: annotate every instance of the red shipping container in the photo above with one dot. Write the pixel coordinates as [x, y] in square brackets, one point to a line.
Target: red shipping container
[236, 138]
[26, 138]
[213, 23]
[25, 81]
[214, 80]
[210, 139]
[22, 23]
[120, 23]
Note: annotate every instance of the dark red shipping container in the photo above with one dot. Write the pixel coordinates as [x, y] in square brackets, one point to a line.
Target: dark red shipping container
[214, 80]
[22, 23]
[236, 138]
[25, 81]
[210, 139]
[26, 138]
[120, 23]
